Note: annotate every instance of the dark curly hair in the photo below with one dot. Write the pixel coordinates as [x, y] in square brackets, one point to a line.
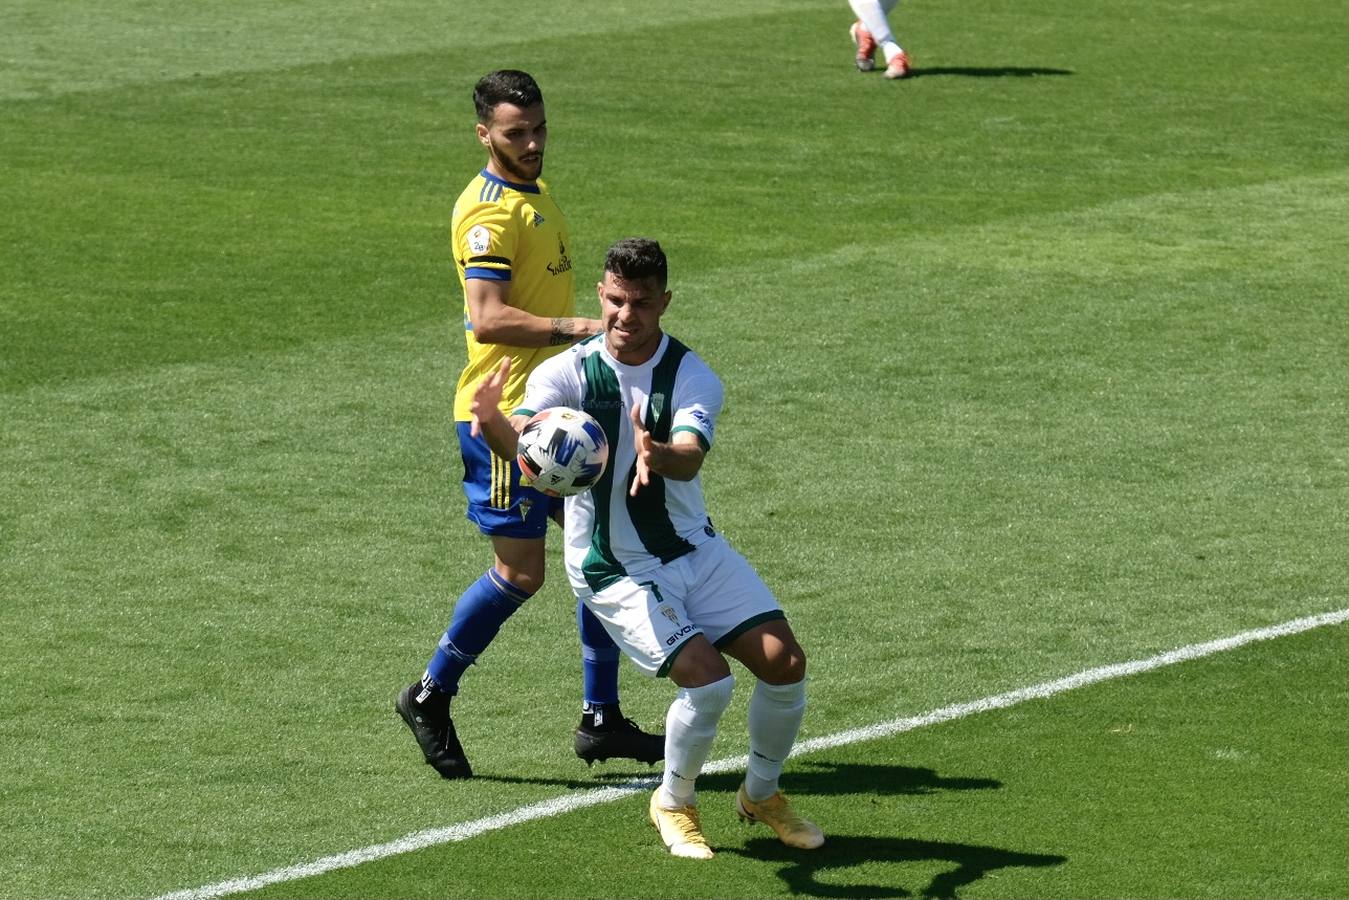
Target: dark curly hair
[636, 259]
[504, 86]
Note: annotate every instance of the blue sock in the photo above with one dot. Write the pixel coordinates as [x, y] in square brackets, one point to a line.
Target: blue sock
[478, 616]
[599, 659]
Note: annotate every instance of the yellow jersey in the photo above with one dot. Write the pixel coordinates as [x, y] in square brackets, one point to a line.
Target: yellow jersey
[516, 233]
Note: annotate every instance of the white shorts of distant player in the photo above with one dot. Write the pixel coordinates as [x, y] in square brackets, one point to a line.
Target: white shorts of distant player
[712, 591]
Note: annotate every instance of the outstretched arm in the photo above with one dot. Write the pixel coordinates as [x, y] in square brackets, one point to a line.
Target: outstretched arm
[500, 433]
[679, 460]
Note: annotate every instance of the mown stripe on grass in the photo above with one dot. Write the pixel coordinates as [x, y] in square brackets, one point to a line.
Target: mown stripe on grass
[571, 802]
[50, 50]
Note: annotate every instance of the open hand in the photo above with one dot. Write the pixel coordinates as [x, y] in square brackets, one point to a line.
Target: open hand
[487, 396]
[642, 440]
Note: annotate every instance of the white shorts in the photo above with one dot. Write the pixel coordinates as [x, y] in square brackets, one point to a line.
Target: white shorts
[712, 591]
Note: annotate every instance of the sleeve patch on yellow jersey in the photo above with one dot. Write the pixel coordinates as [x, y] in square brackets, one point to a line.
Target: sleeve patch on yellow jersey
[478, 239]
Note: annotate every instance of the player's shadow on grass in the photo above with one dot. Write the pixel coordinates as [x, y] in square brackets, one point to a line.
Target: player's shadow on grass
[808, 777]
[814, 872]
[619, 777]
[988, 71]
[811, 872]
[805, 777]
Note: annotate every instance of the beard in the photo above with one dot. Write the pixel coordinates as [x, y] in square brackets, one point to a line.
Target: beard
[514, 167]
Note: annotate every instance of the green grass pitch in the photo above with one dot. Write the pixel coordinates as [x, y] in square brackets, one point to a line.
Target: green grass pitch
[1035, 362]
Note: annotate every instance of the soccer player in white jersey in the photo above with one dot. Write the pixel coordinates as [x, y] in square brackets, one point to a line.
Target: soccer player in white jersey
[872, 31]
[642, 555]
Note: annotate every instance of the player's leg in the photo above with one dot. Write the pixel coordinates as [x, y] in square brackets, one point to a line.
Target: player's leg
[743, 619]
[478, 615]
[599, 664]
[705, 687]
[865, 43]
[649, 623]
[873, 14]
[896, 58]
[515, 519]
[516, 575]
[705, 684]
[771, 652]
[605, 733]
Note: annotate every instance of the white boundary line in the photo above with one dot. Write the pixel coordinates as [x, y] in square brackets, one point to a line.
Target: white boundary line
[595, 797]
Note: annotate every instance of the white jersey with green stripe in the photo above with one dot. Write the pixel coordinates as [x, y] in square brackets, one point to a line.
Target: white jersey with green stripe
[610, 534]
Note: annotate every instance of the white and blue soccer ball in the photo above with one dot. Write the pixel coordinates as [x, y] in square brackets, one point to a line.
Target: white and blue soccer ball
[562, 452]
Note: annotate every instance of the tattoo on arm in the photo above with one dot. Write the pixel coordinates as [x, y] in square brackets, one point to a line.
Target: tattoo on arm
[564, 332]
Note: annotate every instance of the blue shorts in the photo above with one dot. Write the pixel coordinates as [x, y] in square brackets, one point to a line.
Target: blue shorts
[497, 503]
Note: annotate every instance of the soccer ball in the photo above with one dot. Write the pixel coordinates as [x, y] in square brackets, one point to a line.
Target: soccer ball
[562, 452]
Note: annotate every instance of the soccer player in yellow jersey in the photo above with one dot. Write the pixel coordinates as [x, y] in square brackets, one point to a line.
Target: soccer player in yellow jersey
[510, 247]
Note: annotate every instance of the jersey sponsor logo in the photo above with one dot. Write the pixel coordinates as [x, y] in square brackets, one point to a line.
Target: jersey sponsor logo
[674, 638]
[479, 239]
[563, 263]
[703, 420]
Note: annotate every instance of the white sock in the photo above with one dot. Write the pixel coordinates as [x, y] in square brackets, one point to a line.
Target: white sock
[690, 726]
[891, 50]
[873, 19]
[775, 712]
